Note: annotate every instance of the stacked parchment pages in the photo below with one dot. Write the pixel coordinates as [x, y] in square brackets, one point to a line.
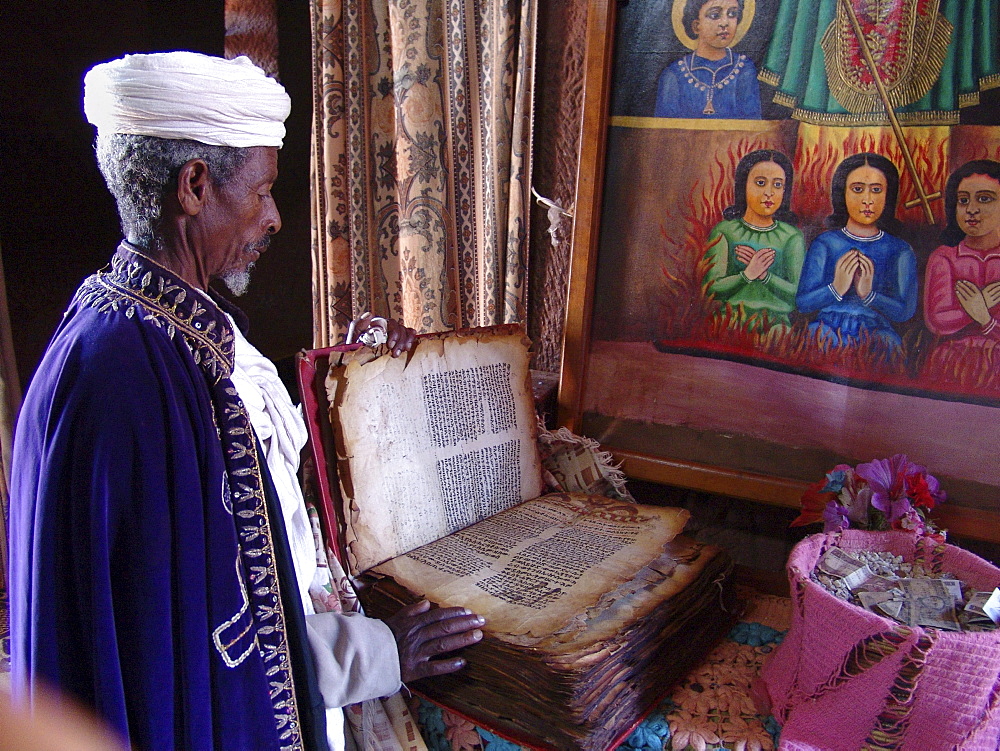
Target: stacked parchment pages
[593, 605]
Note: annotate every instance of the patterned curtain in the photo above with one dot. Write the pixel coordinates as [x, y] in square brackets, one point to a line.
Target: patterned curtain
[421, 161]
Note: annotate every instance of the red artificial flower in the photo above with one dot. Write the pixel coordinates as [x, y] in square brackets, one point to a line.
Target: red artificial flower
[814, 501]
[920, 491]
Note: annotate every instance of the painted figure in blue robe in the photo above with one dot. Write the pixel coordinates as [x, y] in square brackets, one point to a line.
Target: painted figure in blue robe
[712, 81]
[859, 279]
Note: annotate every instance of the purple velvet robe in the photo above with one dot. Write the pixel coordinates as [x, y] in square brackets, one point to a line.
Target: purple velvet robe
[144, 573]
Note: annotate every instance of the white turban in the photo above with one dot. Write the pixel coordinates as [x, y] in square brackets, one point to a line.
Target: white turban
[187, 95]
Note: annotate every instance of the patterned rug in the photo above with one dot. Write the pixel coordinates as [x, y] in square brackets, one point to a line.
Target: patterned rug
[710, 709]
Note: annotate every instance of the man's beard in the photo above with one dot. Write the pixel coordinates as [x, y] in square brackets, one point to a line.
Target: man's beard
[237, 281]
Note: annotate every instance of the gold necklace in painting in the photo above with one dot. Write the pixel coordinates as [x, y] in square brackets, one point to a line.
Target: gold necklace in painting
[709, 88]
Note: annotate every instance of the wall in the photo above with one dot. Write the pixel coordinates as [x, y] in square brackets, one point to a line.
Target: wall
[57, 221]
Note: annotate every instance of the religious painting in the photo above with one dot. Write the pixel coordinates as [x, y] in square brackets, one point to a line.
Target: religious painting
[797, 244]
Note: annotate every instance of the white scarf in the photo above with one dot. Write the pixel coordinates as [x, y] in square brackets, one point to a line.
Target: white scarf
[282, 433]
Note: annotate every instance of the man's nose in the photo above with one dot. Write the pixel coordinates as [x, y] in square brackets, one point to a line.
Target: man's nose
[274, 222]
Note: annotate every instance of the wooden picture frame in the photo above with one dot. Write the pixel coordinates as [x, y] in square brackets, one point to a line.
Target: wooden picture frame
[716, 467]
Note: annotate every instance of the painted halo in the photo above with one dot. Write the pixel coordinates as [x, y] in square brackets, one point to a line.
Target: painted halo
[677, 16]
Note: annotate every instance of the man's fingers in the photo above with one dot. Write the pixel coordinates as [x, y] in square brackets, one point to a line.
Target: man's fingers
[450, 619]
[393, 338]
[450, 643]
[422, 633]
[423, 623]
[400, 338]
[406, 341]
[435, 637]
[423, 663]
[414, 608]
[415, 670]
[964, 285]
[435, 667]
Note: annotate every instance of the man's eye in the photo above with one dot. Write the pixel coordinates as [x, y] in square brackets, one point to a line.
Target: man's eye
[778, 184]
[760, 182]
[987, 199]
[963, 201]
[876, 189]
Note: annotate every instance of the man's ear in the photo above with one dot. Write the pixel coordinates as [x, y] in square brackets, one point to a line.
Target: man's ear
[192, 186]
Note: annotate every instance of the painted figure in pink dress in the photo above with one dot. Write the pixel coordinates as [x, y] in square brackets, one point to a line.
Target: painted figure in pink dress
[962, 282]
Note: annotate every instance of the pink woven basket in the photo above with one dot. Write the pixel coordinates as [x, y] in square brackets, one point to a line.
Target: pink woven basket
[845, 678]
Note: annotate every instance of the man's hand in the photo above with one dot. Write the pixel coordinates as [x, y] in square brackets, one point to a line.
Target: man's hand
[398, 338]
[422, 633]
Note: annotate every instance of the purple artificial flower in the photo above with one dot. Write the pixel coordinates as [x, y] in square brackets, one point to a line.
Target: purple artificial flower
[834, 517]
[855, 496]
[887, 478]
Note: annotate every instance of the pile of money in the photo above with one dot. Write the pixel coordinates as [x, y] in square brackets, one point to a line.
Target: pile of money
[887, 585]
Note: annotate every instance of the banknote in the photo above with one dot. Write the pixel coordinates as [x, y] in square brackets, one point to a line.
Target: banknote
[882, 603]
[955, 587]
[858, 578]
[876, 583]
[992, 606]
[928, 602]
[974, 609]
[837, 562]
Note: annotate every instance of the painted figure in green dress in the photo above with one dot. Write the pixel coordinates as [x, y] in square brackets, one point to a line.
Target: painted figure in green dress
[933, 59]
[755, 254]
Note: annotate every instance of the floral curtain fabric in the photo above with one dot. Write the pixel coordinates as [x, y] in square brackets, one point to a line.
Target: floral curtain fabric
[421, 161]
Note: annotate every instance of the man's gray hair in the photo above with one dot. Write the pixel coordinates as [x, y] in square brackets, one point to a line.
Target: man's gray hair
[141, 170]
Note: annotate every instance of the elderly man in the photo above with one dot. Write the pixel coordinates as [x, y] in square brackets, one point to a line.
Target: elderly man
[161, 554]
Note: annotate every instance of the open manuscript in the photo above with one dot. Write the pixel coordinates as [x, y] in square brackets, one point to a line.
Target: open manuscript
[593, 605]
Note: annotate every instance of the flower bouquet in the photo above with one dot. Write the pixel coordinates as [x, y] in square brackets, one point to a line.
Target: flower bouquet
[882, 494]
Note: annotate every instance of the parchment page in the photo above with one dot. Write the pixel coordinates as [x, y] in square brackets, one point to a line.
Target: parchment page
[534, 567]
[432, 443]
